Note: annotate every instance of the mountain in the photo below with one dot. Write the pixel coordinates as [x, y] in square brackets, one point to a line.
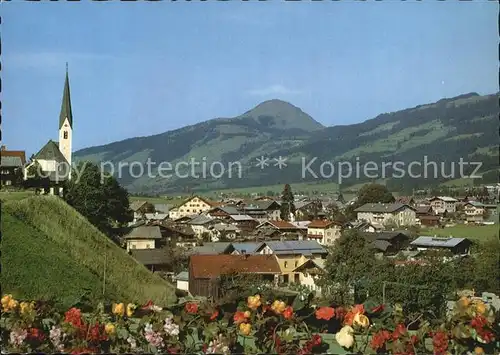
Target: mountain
[464, 127]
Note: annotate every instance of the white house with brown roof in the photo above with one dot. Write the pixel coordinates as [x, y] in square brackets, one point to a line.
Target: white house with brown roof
[324, 232]
[143, 237]
[193, 205]
[387, 213]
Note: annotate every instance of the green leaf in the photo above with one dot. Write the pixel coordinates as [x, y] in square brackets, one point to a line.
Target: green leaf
[122, 333]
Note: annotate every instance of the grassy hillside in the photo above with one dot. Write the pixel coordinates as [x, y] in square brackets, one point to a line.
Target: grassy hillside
[49, 250]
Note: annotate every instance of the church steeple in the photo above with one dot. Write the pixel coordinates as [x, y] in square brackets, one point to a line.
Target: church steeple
[66, 104]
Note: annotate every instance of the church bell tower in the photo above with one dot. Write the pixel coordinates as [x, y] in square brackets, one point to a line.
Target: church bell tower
[66, 122]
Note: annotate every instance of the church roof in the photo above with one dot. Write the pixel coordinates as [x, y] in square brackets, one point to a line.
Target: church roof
[66, 104]
[50, 151]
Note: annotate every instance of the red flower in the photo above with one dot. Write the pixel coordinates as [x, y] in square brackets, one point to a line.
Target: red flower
[173, 350]
[379, 308]
[400, 330]
[340, 313]
[240, 317]
[413, 340]
[148, 305]
[214, 315]
[316, 340]
[486, 335]
[288, 312]
[440, 342]
[479, 322]
[325, 313]
[74, 317]
[191, 307]
[379, 339]
[96, 333]
[36, 334]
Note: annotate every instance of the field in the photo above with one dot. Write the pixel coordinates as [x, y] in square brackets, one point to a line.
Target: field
[51, 251]
[477, 233]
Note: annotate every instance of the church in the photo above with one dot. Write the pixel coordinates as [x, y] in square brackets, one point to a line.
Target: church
[54, 158]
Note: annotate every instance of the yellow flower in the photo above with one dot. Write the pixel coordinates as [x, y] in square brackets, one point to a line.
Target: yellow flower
[480, 307]
[110, 328]
[27, 307]
[130, 309]
[361, 320]
[478, 350]
[345, 337]
[278, 306]
[247, 314]
[464, 302]
[119, 309]
[9, 303]
[253, 302]
[245, 328]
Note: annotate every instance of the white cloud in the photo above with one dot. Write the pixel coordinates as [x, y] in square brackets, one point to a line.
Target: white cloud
[274, 90]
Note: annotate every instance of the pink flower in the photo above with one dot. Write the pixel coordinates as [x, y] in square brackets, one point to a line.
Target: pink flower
[18, 336]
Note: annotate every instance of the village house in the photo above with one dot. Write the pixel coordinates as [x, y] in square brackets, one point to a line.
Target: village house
[406, 200]
[387, 213]
[457, 246]
[12, 165]
[143, 237]
[244, 248]
[474, 212]
[202, 224]
[429, 221]
[223, 231]
[363, 226]
[309, 272]
[262, 210]
[304, 210]
[389, 243]
[223, 212]
[155, 260]
[243, 222]
[325, 232]
[140, 208]
[182, 235]
[205, 271]
[211, 248]
[443, 204]
[193, 205]
[182, 281]
[291, 254]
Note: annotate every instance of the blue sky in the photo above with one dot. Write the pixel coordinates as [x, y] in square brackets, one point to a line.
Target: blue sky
[138, 69]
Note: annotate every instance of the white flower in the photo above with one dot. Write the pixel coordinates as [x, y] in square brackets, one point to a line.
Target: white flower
[132, 342]
[345, 337]
[170, 327]
[17, 336]
[218, 346]
[153, 338]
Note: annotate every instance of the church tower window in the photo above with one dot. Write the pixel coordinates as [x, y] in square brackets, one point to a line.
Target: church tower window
[65, 134]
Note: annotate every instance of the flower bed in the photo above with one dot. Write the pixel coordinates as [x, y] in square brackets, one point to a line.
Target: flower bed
[255, 324]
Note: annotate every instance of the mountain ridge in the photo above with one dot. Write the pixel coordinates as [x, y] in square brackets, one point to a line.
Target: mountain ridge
[276, 127]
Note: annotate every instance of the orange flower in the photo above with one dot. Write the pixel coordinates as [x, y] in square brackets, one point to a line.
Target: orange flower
[361, 320]
[191, 307]
[214, 315]
[325, 313]
[355, 310]
[288, 312]
[240, 317]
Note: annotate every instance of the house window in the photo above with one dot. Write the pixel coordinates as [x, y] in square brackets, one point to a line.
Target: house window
[285, 264]
[65, 134]
[296, 263]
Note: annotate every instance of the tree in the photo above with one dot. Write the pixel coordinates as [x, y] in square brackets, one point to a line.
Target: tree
[333, 213]
[287, 203]
[369, 193]
[349, 261]
[35, 178]
[98, 198]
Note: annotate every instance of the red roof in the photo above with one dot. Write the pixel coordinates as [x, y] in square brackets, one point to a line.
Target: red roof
[282, 225]
[321, 224]
[210, 266]
[15, 153]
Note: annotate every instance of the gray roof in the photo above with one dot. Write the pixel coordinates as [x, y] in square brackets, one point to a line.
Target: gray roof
[161, 207]
[443, 198]
[437, 242]
[380, 244]
[382, 235]
[9, 162]
[319, 263]
[200, 220]
[305, 247]
[241, 217]
[136, 205]
[211, 248]
[182, 276]
[144, 232]
[156, 216]
[249, 247]
[228, 209]
[50, 151]
[223, 227]
[381, 207]
[151, 256]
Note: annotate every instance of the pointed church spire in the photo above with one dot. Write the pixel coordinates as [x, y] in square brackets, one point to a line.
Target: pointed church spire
[66, 103]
